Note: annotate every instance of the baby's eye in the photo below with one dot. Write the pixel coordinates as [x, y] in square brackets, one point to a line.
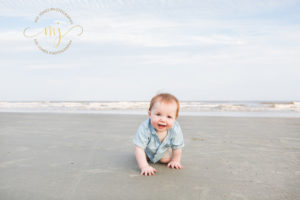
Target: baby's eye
[169, 117]
[158, 114]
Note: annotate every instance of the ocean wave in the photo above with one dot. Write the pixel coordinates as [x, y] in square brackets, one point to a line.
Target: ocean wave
[185, 106]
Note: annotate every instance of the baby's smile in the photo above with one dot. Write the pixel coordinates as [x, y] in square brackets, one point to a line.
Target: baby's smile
[162, 125]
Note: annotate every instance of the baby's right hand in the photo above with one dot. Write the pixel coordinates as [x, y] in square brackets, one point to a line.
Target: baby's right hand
[148, 170]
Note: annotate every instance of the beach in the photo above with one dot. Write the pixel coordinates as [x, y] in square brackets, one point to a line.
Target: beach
[91, 156]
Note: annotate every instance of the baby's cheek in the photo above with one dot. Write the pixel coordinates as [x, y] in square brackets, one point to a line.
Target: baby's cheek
[153, 122]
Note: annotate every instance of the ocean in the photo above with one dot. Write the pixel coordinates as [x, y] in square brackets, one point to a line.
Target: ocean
[197, 108]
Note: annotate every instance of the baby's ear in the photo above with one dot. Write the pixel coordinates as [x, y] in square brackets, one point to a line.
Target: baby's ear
[149, 113]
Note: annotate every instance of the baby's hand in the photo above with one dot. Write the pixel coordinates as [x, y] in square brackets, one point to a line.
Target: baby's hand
[175, 164]
[148, 170]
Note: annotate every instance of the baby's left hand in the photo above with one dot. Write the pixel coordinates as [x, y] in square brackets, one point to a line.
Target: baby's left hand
[175, 164]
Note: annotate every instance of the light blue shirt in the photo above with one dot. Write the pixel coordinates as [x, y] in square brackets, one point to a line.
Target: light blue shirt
[147, 139]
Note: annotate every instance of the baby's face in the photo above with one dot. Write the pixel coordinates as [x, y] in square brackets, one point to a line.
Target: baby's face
[163, 115]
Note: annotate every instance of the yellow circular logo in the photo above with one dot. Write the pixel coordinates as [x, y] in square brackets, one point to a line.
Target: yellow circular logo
[52, 31]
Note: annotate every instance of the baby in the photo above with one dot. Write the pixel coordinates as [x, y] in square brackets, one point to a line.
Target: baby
[158, 134]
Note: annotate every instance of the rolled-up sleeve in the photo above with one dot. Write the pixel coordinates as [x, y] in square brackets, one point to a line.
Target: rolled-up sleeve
[177, 139]
[142, 137]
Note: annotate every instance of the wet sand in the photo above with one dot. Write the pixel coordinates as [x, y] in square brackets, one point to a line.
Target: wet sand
[91, 156]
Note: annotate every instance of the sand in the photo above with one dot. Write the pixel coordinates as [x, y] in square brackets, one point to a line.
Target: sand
[91, 156]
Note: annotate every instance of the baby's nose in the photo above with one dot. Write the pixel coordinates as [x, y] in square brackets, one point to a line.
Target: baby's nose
[163, 118]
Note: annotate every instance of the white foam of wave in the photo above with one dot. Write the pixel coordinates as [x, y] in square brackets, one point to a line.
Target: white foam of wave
[75, 105]
[185, 106]
[285, 106]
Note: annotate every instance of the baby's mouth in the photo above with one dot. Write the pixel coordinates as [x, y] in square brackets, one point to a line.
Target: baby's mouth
[162, 125]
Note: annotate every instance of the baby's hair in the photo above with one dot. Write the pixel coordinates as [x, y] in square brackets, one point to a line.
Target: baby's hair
[166, 98]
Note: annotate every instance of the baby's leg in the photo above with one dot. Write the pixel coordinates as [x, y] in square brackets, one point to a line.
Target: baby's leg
[167, 156]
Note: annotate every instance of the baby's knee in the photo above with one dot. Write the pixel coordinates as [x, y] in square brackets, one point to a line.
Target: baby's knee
[165, 160]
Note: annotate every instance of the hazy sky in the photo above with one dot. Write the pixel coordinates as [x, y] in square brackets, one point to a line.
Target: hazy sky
[130, 50]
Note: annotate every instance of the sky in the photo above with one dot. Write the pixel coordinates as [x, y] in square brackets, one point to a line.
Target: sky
[214, 50]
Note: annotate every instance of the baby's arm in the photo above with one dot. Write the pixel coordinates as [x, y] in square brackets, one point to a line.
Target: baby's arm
[142, 162]
[175, 160]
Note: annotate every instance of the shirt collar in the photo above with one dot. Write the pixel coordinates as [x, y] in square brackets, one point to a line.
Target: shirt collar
[152, 130]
